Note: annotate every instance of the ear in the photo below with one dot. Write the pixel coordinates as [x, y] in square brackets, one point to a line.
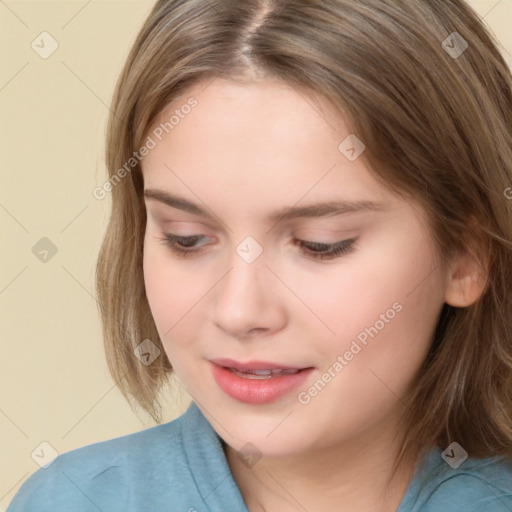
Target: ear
[467, 277]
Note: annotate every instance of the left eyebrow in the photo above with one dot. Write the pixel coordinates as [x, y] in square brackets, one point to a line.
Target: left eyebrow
[327, 209]
[315, 210]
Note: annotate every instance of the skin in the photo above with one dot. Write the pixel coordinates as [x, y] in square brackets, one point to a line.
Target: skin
[247, 150]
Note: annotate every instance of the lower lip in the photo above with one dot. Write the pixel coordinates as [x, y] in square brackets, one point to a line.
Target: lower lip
[257, 391]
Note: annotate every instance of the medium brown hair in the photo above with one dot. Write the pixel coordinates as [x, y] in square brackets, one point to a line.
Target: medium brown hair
[436, 126]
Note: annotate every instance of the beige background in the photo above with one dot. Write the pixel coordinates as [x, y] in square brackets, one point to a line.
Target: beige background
[55, 386]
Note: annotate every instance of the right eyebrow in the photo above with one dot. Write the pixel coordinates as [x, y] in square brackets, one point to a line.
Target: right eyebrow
[176, 202]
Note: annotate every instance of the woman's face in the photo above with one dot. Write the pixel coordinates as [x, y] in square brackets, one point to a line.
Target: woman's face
[245, 173]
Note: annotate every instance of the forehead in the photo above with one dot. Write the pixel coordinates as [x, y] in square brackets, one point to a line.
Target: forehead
[257, 141]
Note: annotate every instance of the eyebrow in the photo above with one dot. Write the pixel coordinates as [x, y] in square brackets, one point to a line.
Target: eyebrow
[320, 209]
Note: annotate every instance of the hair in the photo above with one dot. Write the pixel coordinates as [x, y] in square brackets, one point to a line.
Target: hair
[437, 131]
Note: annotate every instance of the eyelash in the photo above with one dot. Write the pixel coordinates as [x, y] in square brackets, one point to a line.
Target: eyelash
[335, 250]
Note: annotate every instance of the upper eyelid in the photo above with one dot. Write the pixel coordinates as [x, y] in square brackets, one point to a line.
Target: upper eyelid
[153, 206]
[163, 220]
[316, 242]
[291, 225]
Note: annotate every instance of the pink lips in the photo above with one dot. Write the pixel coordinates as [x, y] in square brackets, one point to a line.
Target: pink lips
[256, 391]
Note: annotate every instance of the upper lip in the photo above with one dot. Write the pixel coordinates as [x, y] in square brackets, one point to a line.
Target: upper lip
[254, 365]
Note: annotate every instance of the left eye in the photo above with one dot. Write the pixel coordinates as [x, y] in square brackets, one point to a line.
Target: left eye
[187, 246]
[323, 251]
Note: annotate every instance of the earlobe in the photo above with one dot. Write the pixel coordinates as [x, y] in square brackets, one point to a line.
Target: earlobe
[467, 281]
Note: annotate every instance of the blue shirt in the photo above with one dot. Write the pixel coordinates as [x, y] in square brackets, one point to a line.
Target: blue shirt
[180, 466]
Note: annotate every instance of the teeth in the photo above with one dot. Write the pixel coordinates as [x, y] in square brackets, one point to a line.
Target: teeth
[261, 374]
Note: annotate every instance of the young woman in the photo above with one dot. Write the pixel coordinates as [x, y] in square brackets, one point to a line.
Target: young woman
[311, 230]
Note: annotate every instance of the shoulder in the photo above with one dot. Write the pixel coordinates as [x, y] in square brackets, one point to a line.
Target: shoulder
[477, 485]
[102, 475]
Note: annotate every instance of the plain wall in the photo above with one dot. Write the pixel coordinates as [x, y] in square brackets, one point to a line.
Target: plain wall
[55, 386]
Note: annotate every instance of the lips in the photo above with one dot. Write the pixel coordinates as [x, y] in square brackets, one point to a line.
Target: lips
[260, 386]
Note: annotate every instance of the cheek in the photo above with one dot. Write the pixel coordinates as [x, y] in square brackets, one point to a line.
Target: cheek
[178, 293]
[383, 323]
[168, 301]
[168, 290]
[380, 307]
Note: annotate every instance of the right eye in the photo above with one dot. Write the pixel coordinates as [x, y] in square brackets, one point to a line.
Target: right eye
[182, 245]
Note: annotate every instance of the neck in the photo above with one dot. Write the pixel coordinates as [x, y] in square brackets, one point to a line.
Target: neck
[353, 475]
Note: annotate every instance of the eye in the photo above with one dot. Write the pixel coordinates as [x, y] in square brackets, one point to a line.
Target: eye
[185, 246]
[182, 245]
[322, 251]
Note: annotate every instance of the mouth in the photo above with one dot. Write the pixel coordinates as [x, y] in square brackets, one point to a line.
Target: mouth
[258, 382]
[262, 374]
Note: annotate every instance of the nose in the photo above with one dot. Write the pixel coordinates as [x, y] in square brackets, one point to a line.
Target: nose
[248, 301]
